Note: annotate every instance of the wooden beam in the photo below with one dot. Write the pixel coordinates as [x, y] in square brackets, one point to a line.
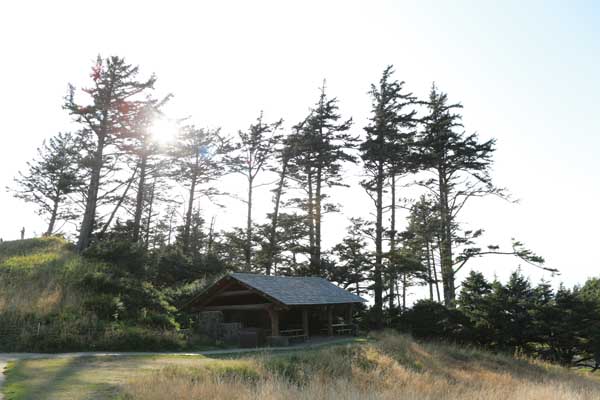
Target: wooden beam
[305, 321]
[237, 307]
[276, 302]
[274, 315]
[214, 290]
[235, 293]
[349, 313]
[330, 320]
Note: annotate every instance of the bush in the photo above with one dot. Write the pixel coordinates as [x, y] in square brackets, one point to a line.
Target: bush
[125, 257]
[431, 320]
[135, 338]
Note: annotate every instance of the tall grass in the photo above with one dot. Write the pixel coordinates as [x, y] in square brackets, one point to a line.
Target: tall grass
[389, 367]
[43, 304]
[37, 276]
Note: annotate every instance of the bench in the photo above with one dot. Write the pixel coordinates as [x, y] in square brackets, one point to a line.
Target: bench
[340, 329]
[294, 334]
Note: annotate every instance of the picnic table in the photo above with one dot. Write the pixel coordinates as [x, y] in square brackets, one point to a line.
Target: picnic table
[341, 329]
[294, 334]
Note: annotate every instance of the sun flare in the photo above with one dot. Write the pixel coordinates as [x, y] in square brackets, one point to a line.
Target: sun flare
[164, 130]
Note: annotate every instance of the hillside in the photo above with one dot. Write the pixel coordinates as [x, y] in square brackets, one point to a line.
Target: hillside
[390, 367]
[387, 366]
[41, 301]
[52, 299]
[37, 276]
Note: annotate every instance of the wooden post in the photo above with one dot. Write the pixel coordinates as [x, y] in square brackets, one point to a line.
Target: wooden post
[330, 320]
[274, 314]
[305, 321]
[349, 312]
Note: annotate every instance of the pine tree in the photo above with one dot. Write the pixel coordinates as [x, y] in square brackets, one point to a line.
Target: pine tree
[145, 150]
[197, 160]
[289, 245]
[108, 118]
[460, 165]
[254, 150]
[51, 178]
[422, 233]
[473, 302]
[405, 262]
[354, 263]
[271, 247]
[386, 153]
[319, 147]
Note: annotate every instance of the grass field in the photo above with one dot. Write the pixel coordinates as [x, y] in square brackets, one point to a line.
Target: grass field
[389, 366]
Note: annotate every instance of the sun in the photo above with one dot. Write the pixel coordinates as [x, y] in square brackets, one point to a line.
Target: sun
[164, 130]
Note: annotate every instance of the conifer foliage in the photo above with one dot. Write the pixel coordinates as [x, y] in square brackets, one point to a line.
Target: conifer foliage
[144, 201]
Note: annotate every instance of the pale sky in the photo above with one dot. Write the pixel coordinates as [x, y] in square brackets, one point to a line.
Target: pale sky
[526, 73]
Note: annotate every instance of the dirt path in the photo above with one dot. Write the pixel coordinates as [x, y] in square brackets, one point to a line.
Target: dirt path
[7, 357]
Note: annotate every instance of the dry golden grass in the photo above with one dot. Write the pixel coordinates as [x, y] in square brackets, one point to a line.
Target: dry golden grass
[389, 367]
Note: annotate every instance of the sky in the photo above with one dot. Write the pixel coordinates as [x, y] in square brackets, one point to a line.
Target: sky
[526, 73]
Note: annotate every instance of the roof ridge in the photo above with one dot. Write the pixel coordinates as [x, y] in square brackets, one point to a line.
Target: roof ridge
[276, 276]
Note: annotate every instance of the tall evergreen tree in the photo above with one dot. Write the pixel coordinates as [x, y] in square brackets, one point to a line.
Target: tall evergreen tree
[253, 151]
[319, 148]
[283, 157]
[51, 178]
[386, 153]
[460, 166]
[197, 160]
[145, 150]
[422, 233]
[108, 117]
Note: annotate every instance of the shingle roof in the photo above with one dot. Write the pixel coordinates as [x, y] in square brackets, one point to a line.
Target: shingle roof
[293, 290]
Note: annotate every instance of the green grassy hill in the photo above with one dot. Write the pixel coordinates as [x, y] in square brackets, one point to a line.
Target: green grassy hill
[38, 277]
[52, 299]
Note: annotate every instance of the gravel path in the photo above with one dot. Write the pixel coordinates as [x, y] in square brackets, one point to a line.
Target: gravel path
[7, 357]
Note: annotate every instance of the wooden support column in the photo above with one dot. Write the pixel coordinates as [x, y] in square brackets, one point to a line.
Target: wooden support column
[274, 315]
[305, 321]
[349, 312]
[330, 320]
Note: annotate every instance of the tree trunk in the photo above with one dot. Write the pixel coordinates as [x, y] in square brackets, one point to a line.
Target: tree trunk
[211, 233]
[275, 217]
[391, 274]
[170, 226]
[435, 277]
[188, 216]
[311, 222]
[317, 254]
[118, 205]
[429, 275]
[377, 276]
[89, 216]
[404, 284]
[50, 229]
[446, 244]
[149, 217]
[248, 245]
[139, 202]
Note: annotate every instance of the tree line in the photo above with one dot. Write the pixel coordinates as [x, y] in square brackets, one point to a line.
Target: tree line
[112, 181]
[517, 317]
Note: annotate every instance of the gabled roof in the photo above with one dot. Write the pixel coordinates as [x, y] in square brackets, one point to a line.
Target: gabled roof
[298, 290]
[287, 290]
